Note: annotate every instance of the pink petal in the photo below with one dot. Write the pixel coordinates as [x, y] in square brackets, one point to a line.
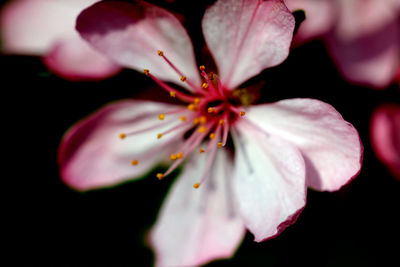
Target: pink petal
[247, 36]
[131, 33]
[73, 59]
[269, 181]
[198, 225]
[331, 147]
[385, 136]
[92, 154]
[46, 28]
[320, 17]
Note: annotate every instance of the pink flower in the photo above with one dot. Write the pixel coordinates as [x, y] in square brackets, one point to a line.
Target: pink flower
[251, 165]
[385, 136]
[362, 36]
[47, 28]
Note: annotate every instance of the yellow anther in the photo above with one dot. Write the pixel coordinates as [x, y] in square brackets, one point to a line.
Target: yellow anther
[173, 157]
[191, 107]
[202, 129]
[196, 185]
[202, 119]
[196, 100]
[210, 109]
[201, 150]
[122, 135]
[183, 78]
[212, 135]
[182, 118]
[146, 72]
[160, 53]
[159, 135]
[160, 176]
[172, 94]
[161, 116]
[204, 85]
[221, 122]
[196, 121]
[219, 144]
[242, 113]
[135, 162]
[202, 67]
[179, 155]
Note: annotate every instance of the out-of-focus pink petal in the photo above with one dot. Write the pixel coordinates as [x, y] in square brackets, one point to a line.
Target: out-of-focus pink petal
[131, 33]
[320, 16]
[385, 136]
[31, 26]
[198, 225]
[366, 44]
[92, 155]
[247, 36]
[331, 146]
[74, 59]
[269, 181]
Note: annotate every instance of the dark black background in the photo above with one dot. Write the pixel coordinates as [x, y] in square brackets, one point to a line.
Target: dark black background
[48, 223]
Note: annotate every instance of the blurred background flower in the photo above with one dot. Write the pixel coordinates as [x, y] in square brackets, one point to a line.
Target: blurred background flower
[46, 28]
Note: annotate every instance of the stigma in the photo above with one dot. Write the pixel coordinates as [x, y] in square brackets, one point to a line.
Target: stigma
[207, 114]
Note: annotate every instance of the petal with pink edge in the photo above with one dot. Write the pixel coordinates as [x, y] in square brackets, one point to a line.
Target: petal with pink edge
[268, 181]
[385, 136]
[198, 225]
[31, 26]
[247, 36]
[331, 146]
[74, 59]
[92, 154]
[131, 33]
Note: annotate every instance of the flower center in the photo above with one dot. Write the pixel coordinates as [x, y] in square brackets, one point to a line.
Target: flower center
[204, 123]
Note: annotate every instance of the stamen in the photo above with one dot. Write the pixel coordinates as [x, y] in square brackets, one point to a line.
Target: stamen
[219, 144]
[196, 101]
[172, 94]
[210, 110]
[169, 89]
[202, 68]
[242, 113]
[202, 129]
[161, 116]
[182, 118]
[182, 76]
[196, 185]
[179, 155]
[160, 176]
[212, 135]
[204, 85]
[173, 157]
[221, 122]
[122, 136]
[203, 119]
[159, 135]
[196, 121]
[209, 84]
[201, 150]
[135, 162]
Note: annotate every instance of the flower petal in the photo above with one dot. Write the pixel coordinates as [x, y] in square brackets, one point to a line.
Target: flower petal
[74, 59]
[247, 36]
[92, 154]
[131, 33]
[371, 59]
[46, 28]
[385, 136]
[331, 147]
[269, 181]
[198, 225]
[31, 26]
[320, 17]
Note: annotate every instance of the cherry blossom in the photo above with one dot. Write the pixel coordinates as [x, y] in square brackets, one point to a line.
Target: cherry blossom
[362, 36]
[385, 136]
[47, 28]
[243, 166]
